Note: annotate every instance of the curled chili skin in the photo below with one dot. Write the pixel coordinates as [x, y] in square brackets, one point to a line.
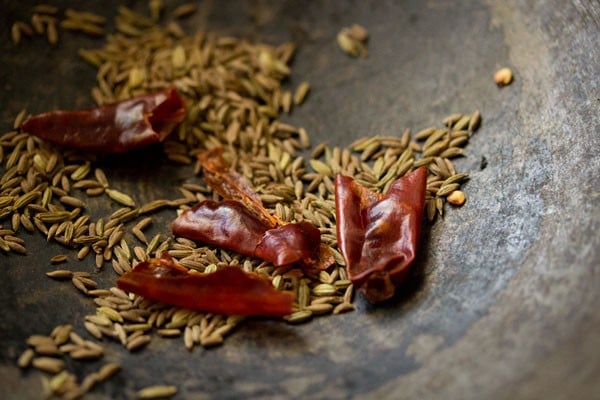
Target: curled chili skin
[227, 224]
[112, 128]
[232, 186]
[241, 222]
[230, 225]
[228, 290]
[378, 234]
[290, 243]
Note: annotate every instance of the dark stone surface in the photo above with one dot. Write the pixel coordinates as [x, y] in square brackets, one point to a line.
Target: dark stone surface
[504, 302]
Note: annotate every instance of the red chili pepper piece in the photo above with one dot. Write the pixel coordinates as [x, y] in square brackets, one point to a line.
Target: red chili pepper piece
[230, 185]
[228, 290]
[228, 224]
[241, 223]
[112, 128]
[290, 243]
[378, 234]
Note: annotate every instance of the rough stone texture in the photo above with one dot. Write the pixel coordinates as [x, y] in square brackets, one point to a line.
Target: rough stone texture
[504, 300]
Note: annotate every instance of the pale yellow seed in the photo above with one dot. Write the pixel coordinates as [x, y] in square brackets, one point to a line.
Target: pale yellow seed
[169, 332]
[59, 380]
[58, 259]
[503, 76]
[85, 354]
[178, 57]
[108, 370]
[15, 33]
[89, 381]
[136, 77]
[456, 198]
[62, 334]
[318, 309]
[321, 168]
[184, 10]
[110, 313]
[25, 358]
[358, 32]
[39, 340]
[474, 121]
[138, 342]
[48, 364]
[299, 317]
[19, 119]
[93, 329]
[81, 172]
[120, 197]
[52, 34]
[156, 7]
[156, 392]
[349, 45]
[343, 307]
[301, 92]
[60, 274]
[324, 289]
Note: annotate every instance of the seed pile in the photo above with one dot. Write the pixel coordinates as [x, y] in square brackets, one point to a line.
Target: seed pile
[235, 95]
[48, 354]
[45, 20]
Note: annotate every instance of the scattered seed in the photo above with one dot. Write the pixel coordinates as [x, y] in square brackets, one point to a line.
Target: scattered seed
[299, 317]
[156, 392]
[447, 189]
[19, 119]
[324, 289]
[358, 32]
[15, 33]
[343, 307]
[52, 33]
[211, 340]
[301, 92]
[25, 358]
[184, 10]
[138, 343]
[108, 370]
[353, 41]
[120, 197]
[72, 201]
[86, 354]
[62, 334]
[58, 259]
[456, 198]
[89, 381]
[60, 274]
[93, 329]
[319, 309]
[48, 364]
[474, 121]
[503, 77]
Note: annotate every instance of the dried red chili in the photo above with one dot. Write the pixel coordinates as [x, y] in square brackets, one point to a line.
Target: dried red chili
[242, 224]
[230, 225]
[232, 186]
[112, 128]
[228, 290]
[378, 234]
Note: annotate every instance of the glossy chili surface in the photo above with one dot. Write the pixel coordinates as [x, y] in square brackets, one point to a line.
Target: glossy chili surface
[241, 223]
[112, 128]
[228, 290]
[378, 234]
